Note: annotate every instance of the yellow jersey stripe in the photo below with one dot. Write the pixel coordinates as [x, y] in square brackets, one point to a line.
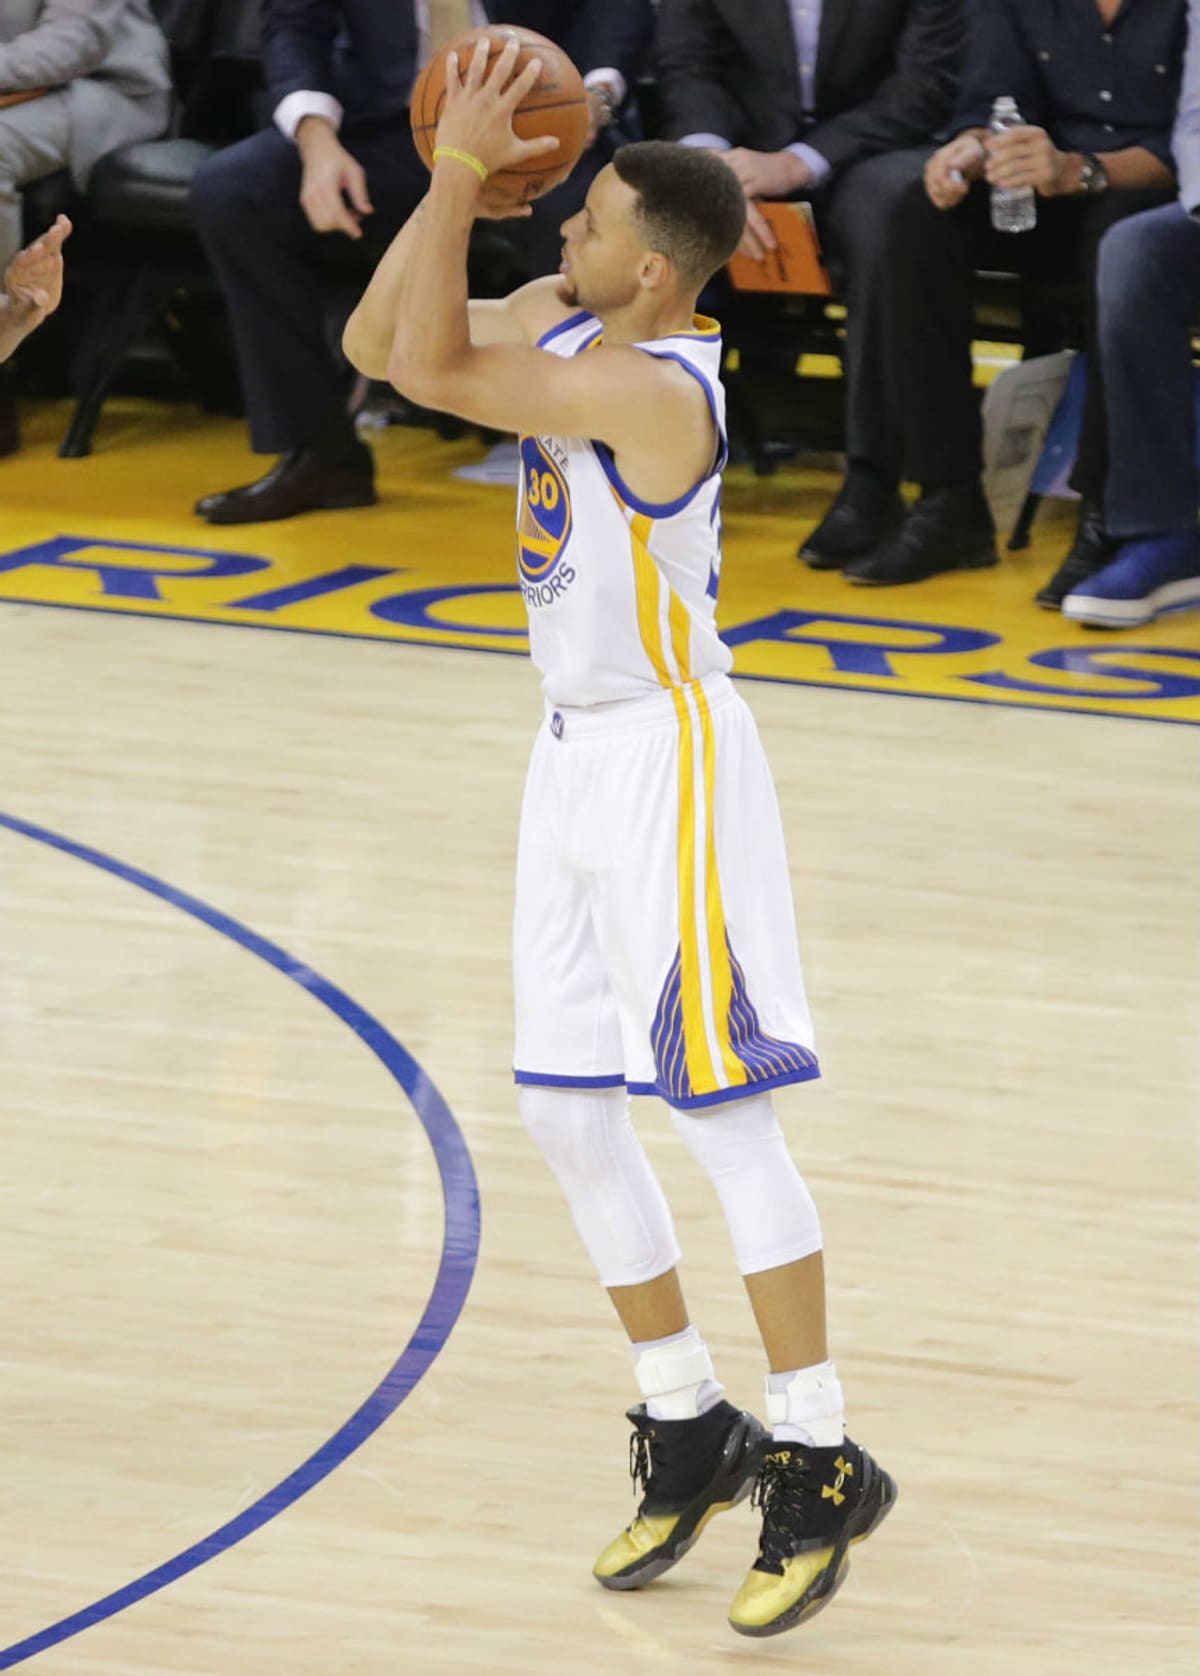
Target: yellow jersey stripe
[647, 582]
[701, 1074]
[714, 909]
[681, 634]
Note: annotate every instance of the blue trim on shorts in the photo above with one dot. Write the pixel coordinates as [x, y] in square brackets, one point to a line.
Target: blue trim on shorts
[539, 1079]
[725, 1096]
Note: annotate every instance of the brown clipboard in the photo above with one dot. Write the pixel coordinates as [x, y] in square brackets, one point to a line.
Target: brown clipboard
[23, 97]
[794, 265]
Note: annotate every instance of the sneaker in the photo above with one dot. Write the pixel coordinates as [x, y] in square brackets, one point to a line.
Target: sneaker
[815, 1503]
[1091, 550]
[689, 1470]
[1147, 578]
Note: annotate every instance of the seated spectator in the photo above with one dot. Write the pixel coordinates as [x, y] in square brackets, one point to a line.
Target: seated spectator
[339, 158]
[799, 96]
[77, 78]
[1147, 558]
[33, 283]
[1097, 83]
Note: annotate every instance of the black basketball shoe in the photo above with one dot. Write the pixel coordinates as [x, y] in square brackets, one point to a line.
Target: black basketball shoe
[815, 1503]
[689, 1470]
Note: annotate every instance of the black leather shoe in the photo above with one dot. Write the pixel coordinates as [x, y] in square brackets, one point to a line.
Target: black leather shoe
[1091, 551]
[949, 529]
[866, 511]
[302, 481]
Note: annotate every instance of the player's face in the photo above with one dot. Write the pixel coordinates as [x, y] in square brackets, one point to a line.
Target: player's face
[602, 254]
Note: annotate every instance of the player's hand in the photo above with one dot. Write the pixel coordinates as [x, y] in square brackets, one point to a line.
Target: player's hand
[330, 178]
[768, 174]
[950, 171]
[479, 108]
[33, 280]
[1026, 157]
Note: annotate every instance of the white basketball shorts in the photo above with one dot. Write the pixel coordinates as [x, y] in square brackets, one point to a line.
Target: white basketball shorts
[654, 938]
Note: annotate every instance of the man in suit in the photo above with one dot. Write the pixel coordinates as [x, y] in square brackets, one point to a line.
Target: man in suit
[77, 78]
[1147, 559]
[799, 96]
[339, 158]
[1096, 83]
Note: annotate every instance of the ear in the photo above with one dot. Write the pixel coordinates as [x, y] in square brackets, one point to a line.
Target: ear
[656, 271]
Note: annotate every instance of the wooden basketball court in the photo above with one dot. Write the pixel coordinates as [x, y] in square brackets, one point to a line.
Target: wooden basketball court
[282, 1392]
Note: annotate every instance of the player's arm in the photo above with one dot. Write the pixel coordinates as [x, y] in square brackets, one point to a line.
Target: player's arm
[620, 396]
[521, 317]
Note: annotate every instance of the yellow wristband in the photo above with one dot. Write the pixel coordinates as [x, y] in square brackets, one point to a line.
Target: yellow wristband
[466, 157]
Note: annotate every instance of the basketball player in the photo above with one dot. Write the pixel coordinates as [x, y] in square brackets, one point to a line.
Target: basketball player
[655, 949]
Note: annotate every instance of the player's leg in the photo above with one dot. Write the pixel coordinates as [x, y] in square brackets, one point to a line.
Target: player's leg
[819, 1491]
[728, 1023]
[692, 1453]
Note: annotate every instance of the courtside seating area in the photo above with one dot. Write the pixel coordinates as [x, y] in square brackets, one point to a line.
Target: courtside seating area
[139, 274]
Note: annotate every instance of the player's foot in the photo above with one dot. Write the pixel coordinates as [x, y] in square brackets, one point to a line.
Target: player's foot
[815, 1503]
[689, 1470]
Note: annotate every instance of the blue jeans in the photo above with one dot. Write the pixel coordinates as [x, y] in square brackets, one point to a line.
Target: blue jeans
[1149, 303]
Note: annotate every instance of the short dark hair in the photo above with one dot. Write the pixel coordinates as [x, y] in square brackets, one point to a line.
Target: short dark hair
[691, 207]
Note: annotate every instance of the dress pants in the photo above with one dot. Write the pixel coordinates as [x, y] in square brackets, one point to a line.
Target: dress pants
[912, 409]
[273, 271]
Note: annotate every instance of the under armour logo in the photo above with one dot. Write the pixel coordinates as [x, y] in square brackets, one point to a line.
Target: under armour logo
[833, 1492]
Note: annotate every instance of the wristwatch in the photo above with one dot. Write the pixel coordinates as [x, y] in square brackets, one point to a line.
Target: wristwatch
[1093, 176]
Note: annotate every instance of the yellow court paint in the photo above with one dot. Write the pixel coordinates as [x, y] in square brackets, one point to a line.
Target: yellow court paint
[433, 564]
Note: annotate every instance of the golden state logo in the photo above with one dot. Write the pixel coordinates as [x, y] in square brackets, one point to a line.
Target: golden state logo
[544, 527]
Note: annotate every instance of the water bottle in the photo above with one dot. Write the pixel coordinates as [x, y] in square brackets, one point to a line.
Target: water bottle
[1014, 209]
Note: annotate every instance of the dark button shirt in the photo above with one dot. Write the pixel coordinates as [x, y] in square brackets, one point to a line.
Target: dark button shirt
[1092, 86]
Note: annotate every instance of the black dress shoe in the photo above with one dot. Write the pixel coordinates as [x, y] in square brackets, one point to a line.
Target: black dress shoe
[1091, 551]
[302, 481]
[867, 509]
[948, 529]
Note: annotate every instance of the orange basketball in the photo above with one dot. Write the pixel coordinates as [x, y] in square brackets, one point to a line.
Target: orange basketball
[556, 104]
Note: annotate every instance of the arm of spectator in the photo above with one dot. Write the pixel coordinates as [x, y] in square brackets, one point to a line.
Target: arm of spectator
[71, 38]
[1029, 157]
[997, 64]
[691, 52]
[297, 47]
[1187, 127]
[615, 43]
[32, 288]
[910, 104]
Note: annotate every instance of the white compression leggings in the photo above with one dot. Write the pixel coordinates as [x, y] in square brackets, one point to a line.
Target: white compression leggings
[588, 1139]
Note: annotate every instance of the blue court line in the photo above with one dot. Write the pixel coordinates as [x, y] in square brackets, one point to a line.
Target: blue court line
[460, 1248]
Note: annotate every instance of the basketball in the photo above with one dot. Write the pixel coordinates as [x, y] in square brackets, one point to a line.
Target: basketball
[557, 104]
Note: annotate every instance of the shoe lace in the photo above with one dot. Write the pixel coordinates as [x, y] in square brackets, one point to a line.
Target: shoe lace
[656, 1462]
[779, 1492]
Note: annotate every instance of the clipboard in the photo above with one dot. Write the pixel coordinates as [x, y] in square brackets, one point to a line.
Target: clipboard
[795, 264]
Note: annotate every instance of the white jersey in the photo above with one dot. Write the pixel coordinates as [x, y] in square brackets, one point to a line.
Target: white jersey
[621, 593]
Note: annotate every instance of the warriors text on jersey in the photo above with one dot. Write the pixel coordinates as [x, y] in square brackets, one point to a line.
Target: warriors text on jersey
[621, 593]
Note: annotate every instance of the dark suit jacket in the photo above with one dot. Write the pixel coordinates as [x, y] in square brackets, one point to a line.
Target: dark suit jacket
[364, 51]
[885, 78]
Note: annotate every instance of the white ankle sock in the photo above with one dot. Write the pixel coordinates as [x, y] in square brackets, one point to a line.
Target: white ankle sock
[806, 1405]
[675, 1376]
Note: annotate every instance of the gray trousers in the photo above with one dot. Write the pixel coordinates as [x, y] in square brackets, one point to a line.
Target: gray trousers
[34, 141]
[1149, 303]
